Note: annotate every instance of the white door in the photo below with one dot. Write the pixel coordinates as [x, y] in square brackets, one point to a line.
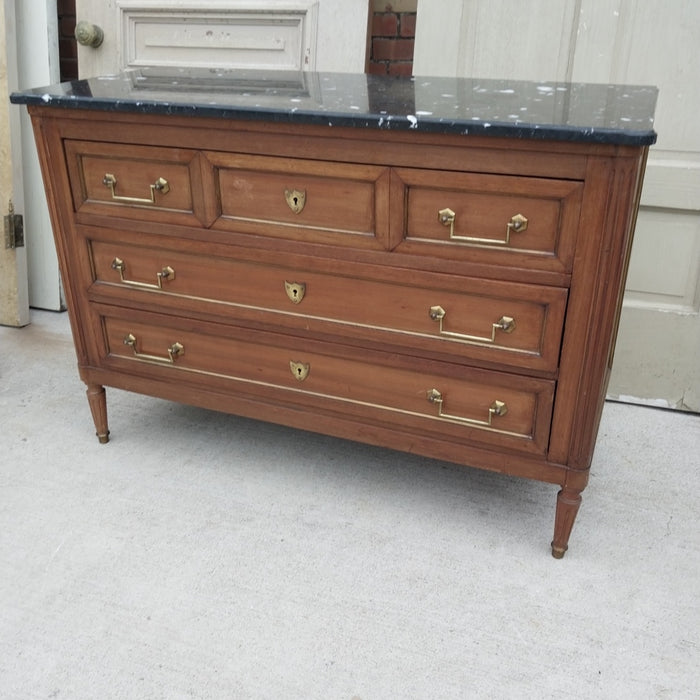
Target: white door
[657, 360]
[37, 65]
[324, 35]
[14, 306]
[30, 274]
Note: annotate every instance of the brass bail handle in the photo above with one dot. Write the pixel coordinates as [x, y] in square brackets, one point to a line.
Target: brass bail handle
[517, 224]
[505, 324]
[88, 34]
[497, 408]
[160, 185]
[166, 273]
[176, 350]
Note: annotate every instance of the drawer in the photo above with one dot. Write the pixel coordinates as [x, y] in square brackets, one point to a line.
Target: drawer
[501, 220]
[134, 182]
[470, 319]
[313, 201]
[447, 400]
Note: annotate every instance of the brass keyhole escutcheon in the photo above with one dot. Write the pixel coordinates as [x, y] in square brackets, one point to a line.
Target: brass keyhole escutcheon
[296, 200]
[295, 291]
[300, 370]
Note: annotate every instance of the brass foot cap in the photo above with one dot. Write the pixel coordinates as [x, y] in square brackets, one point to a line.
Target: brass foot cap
[558, 552]
[104, 439]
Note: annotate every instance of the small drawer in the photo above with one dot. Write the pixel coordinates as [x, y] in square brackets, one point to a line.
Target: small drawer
[471, 320]
[133, 182]
[439, 398]
[312, 201]
[502, 220]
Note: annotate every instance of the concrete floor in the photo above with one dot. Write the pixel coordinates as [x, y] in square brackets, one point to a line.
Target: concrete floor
[199, 555]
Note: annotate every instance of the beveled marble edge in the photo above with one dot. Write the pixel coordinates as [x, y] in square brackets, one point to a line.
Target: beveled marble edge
[563, 112]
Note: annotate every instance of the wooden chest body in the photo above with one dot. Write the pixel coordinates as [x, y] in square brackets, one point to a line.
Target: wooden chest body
[453, 297]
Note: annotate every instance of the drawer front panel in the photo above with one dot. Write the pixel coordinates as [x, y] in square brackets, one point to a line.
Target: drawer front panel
[134, 182]
[514, 221]
[514, 324]
[471, 405]
[303, 200]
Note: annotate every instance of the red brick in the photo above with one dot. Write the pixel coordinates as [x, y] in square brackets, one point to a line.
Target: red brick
[67, 26]
[392, 49]
[67, 48]
[377, 68]
[65, 7]
[69, 69]
[385, 25]
[408, 25]
[401, 68]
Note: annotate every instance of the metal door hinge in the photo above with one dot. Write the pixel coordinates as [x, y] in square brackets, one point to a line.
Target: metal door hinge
[14, 229]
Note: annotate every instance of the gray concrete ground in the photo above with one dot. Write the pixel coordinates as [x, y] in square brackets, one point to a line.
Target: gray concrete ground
[199, 555]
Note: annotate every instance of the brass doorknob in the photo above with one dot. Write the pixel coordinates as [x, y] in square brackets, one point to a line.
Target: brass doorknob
[89, 34]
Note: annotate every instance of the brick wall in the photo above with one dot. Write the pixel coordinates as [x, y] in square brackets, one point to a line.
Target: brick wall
[392, 33]
[67, 47]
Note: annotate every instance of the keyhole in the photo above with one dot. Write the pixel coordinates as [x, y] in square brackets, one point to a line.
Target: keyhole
[300, 370]
[295, 200]
[295, 291]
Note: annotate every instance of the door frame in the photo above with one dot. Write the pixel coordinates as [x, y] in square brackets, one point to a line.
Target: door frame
[37, 64]
[14, 294]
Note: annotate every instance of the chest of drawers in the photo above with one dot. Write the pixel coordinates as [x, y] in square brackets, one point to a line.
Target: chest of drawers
[449, 287]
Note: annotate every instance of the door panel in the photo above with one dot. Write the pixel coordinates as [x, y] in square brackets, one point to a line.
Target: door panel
[494, 38]
[204, 37]
[612, 41]
[264, 34]
[659, 339]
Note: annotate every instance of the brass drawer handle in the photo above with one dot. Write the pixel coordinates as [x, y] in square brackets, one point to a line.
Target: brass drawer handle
[167, 273]
[505, 324]
[160, 185]
[517, 224]
[174, 351]
[497, 408]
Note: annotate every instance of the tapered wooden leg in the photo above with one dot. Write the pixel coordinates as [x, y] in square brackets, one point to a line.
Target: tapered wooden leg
[568, 502]
[98, 407]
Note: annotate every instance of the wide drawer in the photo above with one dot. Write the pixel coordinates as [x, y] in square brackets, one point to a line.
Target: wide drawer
[501, 220]
[312, 201]
[470, 319]
[134, 182]
[464, 404]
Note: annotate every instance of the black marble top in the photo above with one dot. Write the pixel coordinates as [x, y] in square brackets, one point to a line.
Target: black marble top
[594, 113]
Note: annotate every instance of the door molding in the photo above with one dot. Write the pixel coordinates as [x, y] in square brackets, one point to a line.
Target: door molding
[280, 36]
